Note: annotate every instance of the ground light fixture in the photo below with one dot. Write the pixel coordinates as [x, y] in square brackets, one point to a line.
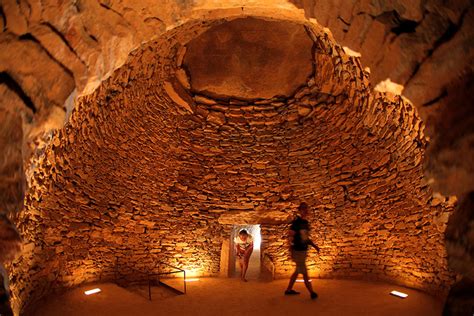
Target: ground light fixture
[192, 280]
[93, 291]
[398, 294]
[302, 281]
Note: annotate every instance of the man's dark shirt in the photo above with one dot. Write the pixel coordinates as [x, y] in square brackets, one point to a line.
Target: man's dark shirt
[301, 237]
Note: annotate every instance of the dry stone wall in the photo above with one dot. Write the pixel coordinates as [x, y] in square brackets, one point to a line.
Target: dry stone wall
[49, 49]
[144, 170]
[101, 192]
[356, 158]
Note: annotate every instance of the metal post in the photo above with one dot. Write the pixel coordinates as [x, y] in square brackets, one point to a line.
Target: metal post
[184, 281]
[116, 270]
[149, 287]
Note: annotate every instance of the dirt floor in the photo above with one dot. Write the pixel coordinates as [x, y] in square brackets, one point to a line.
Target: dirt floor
[218, 296]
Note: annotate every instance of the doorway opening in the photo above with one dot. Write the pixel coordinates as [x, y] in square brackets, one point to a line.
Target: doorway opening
[254, 269]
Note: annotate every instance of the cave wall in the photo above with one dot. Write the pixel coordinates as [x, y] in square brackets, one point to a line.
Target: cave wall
[232, 59]
[423, 45]
[76, 45]
[145, 169]
[427, 47]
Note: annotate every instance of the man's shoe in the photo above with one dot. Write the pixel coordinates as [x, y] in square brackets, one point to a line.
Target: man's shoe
[291, 292]
[314, 295]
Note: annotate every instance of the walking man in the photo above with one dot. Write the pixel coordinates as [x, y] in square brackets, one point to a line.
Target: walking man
[299, 242]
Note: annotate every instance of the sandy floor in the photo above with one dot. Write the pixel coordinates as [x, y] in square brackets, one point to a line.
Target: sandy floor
[215, 296]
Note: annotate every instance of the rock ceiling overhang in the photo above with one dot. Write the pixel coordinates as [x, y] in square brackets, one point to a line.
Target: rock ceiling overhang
[249, 58]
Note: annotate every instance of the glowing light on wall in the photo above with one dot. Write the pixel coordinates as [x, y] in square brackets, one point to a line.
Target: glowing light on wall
[398, 294]
[193, 273]
[93, 291]
[389, 86]
[257, 237]
[351, 52]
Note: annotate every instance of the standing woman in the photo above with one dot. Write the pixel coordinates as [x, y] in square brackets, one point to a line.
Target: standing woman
[243, 249]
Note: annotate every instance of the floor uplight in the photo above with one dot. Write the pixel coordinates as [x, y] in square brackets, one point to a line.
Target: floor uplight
[302, 281]
[399, 294]
[192, 280]
[93, 291]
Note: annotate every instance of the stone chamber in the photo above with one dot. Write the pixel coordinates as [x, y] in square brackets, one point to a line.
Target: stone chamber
[140, 132]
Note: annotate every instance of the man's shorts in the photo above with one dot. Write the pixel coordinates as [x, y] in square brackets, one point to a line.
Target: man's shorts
[299, 258]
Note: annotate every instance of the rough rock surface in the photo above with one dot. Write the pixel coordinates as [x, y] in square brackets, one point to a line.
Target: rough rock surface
[460, 237]
[136, 177]
[426, 46]
[460, 249]
[49, 48]
[460, 300]
[248, 58]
